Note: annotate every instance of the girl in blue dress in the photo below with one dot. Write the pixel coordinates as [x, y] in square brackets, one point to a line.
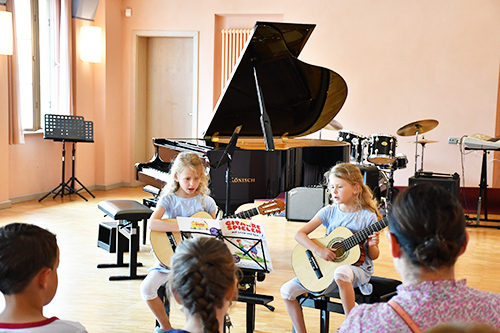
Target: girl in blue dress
[185, 193]
[354, 208]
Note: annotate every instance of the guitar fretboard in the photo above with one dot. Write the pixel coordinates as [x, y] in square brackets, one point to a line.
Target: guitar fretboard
[245, 215]
[362, 235]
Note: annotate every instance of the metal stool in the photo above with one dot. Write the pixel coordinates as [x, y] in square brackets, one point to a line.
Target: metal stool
[128, 213]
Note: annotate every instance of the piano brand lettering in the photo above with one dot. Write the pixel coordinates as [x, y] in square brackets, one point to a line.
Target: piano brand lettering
[243, 226]
[243, 180]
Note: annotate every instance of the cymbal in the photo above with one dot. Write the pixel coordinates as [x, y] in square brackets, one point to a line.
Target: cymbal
[422, 126]
[424, 141]
[334, 126]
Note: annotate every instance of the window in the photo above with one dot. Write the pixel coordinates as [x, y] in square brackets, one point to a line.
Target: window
[35, 42]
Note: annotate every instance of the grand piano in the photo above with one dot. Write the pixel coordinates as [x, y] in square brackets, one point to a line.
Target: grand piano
[277, 99]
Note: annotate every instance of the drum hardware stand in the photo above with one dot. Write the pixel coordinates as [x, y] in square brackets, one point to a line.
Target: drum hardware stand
[391, 186]
[416, 148]
[389, 182]
[418, 127]
[73, 129]
[422, 158]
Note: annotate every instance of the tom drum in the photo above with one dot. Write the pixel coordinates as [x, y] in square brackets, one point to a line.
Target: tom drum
[356, 141]
[382, 148]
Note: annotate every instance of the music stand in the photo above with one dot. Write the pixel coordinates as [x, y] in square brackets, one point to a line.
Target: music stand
[72, 129]
[226, 158]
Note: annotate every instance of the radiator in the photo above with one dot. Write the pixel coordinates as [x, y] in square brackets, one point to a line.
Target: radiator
[233, 42]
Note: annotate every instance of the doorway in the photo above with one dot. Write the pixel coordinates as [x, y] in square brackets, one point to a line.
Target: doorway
[165, 99]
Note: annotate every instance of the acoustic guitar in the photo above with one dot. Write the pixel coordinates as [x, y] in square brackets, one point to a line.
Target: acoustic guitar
[315, 273]
[163, 243]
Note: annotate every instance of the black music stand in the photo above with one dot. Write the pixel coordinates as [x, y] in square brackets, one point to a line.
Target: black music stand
[483, 193]
[72, 129]
[226, 158]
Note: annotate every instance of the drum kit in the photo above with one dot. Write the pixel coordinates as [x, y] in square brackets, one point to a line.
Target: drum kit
[380, 150]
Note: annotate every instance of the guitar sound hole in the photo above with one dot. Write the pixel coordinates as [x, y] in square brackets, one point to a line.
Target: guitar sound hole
[340, 253]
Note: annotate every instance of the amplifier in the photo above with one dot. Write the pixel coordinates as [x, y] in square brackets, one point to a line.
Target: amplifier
[302, 203]
[450, 182]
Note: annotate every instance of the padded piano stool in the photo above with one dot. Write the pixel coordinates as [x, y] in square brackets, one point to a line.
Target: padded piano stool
[128, 213]
[383, 290]
[248, 295]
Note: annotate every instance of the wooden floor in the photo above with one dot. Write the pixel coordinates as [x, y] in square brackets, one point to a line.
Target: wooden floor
[86, 295]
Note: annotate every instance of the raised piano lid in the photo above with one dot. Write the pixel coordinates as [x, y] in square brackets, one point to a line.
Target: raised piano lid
[299, 98]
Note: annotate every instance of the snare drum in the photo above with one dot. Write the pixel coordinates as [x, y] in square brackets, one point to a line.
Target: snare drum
[399, 163]
[356, 141]
[382, 148]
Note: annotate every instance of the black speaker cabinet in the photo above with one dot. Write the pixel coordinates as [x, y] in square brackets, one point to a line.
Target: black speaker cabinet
[302, 203]
[370, 179]
[450, 182]
[106, 238]
[84, 9]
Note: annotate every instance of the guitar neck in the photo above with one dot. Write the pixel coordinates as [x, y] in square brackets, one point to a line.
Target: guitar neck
[245, 214]
[362, 235]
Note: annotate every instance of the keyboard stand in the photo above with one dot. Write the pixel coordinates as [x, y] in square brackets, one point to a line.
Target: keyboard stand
[483, 193]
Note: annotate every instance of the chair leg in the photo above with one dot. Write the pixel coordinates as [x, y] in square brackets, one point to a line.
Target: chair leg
[324, 321]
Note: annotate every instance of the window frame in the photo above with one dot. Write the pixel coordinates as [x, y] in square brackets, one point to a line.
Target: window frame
[42, 103]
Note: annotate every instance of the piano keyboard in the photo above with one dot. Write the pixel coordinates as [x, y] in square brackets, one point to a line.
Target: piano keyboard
[155, 173]
[153, 177]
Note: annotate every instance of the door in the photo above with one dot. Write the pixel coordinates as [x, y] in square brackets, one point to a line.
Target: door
[165, 97]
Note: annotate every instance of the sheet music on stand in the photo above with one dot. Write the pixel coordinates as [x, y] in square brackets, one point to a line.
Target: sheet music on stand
[245, 239]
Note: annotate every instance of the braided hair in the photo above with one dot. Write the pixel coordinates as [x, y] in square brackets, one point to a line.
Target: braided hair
[429, 225]
[203, 271]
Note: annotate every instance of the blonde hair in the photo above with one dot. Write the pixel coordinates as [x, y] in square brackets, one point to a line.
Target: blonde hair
[180, 163]
[352, 174]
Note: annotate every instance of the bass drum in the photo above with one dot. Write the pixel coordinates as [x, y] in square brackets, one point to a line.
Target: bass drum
[382, 149]
[356, 140]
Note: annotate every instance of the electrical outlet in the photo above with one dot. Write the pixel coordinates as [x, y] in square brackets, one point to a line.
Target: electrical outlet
[454, 141]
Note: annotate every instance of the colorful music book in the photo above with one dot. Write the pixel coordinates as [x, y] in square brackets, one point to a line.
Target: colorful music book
[245, 239]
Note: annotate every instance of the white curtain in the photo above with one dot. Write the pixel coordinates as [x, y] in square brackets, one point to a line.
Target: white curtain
[63, 84]
[16, 134]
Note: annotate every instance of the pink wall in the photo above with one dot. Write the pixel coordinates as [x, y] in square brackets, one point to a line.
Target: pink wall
[403, 61]
[4, 136]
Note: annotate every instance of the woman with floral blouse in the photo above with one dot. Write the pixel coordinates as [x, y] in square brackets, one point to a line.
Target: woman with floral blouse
[426, 235]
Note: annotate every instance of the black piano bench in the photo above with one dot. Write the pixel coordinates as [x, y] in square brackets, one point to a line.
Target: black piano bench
[128, 213]
[383, 290]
